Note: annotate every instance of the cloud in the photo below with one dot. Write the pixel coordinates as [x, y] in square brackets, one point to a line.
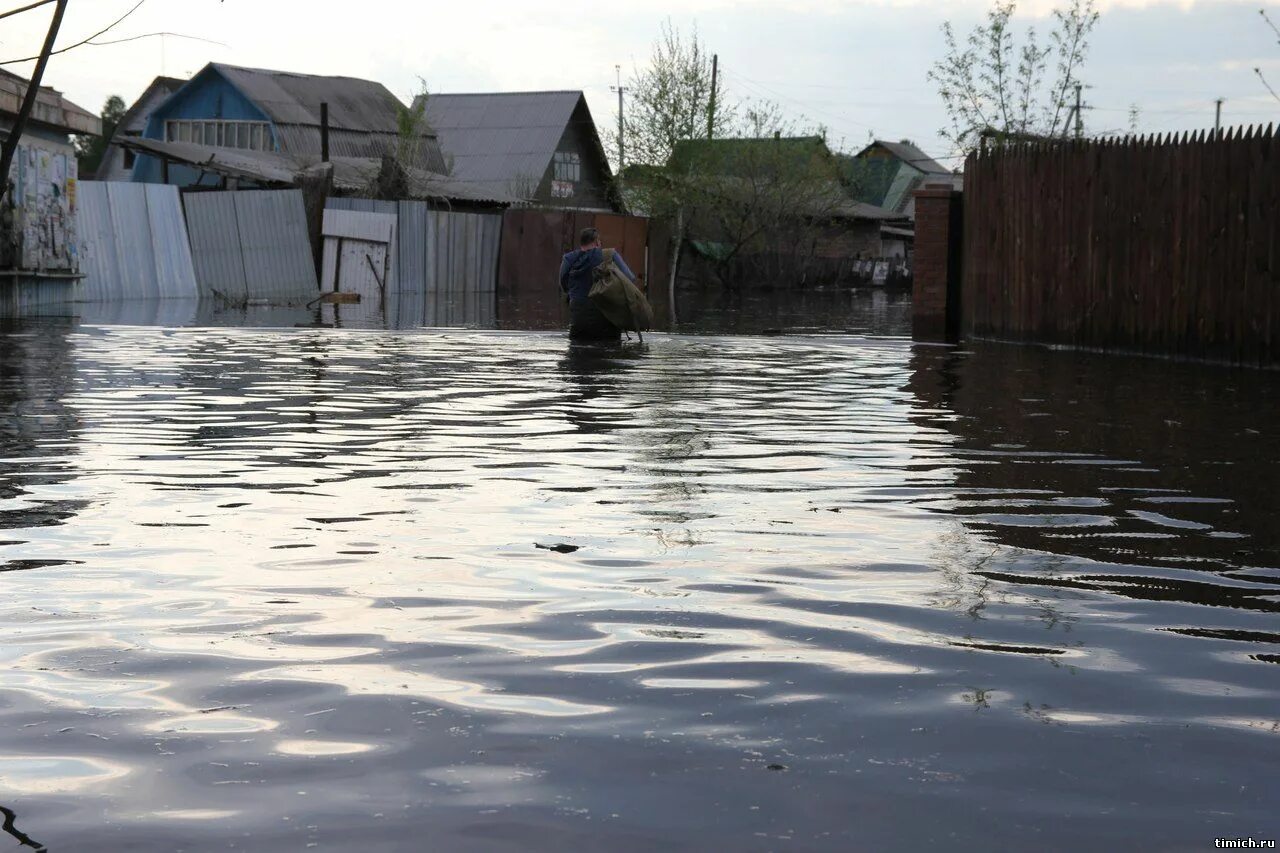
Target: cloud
[857, 66]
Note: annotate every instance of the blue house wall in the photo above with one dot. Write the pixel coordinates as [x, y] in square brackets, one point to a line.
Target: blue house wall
[206, 96]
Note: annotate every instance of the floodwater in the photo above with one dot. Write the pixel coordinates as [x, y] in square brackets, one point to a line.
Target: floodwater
[282, 589]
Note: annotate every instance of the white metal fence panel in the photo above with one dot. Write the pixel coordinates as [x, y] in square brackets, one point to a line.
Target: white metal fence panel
[98, 260]
[341, 229]
[138, 277]
[133, 242]
[170, 244]
[278, 265]
[215, 245]
[251, 246]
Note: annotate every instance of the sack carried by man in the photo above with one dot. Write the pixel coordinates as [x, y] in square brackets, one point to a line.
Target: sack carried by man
[618, 299]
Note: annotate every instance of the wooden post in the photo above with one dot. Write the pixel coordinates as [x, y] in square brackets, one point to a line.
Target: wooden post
[711, 107]
[324, 132]
[316, 185]
[676, 243]
[938, 269]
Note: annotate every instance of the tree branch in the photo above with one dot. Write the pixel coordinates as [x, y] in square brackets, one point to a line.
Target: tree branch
[26, 8]
[1258, 71]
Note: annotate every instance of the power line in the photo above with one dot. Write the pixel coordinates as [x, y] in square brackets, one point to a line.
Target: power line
[153, 35]
[26, 8]
[762, 92]
[88, 41]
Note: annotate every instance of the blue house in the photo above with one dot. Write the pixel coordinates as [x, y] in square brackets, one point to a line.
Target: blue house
[264, 114]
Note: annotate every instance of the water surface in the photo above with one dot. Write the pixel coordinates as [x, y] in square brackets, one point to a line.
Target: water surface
[272, 588]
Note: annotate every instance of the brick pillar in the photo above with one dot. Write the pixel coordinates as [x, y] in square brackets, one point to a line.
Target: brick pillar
[937, 266]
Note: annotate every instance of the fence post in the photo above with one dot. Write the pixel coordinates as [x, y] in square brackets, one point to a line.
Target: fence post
[937, 273]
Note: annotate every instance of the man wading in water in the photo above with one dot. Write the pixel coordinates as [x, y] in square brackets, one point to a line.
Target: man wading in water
[585, 320]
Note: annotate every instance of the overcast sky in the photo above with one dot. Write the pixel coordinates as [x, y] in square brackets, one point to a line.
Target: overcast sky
[856, 66]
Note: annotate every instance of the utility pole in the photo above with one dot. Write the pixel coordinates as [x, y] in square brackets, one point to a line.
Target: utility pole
[1079, 114]
[711, 110]
[620, 89]
[29, 101]
[1217, 116]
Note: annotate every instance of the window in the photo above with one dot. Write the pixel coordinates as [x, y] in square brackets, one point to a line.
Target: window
[568, 166]
[252, 135]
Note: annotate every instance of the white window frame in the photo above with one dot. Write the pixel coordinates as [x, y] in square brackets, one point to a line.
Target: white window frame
[567, 166]
[221, 133]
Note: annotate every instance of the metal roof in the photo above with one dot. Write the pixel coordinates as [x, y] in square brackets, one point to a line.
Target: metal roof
[909, 153]
[289, 98]
[50, 108]
[266, 166]
[364, 116]
[500, 140]
[133, 118]
[350, 174]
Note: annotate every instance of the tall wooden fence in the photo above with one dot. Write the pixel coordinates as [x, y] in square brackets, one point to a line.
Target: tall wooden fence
[1165, 244]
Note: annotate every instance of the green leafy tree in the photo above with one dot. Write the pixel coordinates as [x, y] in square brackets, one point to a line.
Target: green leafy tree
[764, 196]
[90, 150]
[997, 83]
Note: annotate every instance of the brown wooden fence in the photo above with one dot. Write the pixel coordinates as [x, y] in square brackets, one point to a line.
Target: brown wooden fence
[534, 241]
[1166, 244]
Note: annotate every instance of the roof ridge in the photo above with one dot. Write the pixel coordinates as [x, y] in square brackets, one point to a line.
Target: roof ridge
[431, 95]
[302, 74]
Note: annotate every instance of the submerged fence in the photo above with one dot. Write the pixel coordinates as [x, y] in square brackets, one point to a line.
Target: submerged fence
[133, 243]
[251, 246]
[444, 264]
[1165, 244]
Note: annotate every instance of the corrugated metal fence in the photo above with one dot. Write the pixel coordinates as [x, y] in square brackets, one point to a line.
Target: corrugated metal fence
[1167, 244]
[445, 266]
[133, 243]
[251, 246]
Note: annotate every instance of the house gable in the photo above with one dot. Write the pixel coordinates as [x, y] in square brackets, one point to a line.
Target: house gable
[208, 96]
[578, 155]
[117, 164]
[507, 142]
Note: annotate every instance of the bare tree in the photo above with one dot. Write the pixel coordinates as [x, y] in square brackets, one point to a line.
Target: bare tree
[996, 82]
[1258, 70]
[671, 100]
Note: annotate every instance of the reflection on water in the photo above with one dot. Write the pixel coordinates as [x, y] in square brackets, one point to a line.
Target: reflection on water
[281, 587]
[875, 311]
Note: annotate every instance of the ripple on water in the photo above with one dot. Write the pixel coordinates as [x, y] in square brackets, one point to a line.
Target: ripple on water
[283, 585]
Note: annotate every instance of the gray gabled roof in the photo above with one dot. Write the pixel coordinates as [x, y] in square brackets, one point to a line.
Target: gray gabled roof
[364, 117]
[910, 153]
[160, 88]
[502, 141]
[50, 108]
[350, 174]
[289, 98]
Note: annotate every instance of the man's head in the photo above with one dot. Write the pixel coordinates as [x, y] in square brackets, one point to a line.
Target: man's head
[589, 239]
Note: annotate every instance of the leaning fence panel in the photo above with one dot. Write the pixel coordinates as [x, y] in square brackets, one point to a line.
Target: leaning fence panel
[251, 246]
[133, 243]
[215, 246]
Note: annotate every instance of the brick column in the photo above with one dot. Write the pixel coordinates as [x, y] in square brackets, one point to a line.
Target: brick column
[937, 266]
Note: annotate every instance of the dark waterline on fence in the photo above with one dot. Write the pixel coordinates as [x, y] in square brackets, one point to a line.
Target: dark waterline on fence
[281, 587]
